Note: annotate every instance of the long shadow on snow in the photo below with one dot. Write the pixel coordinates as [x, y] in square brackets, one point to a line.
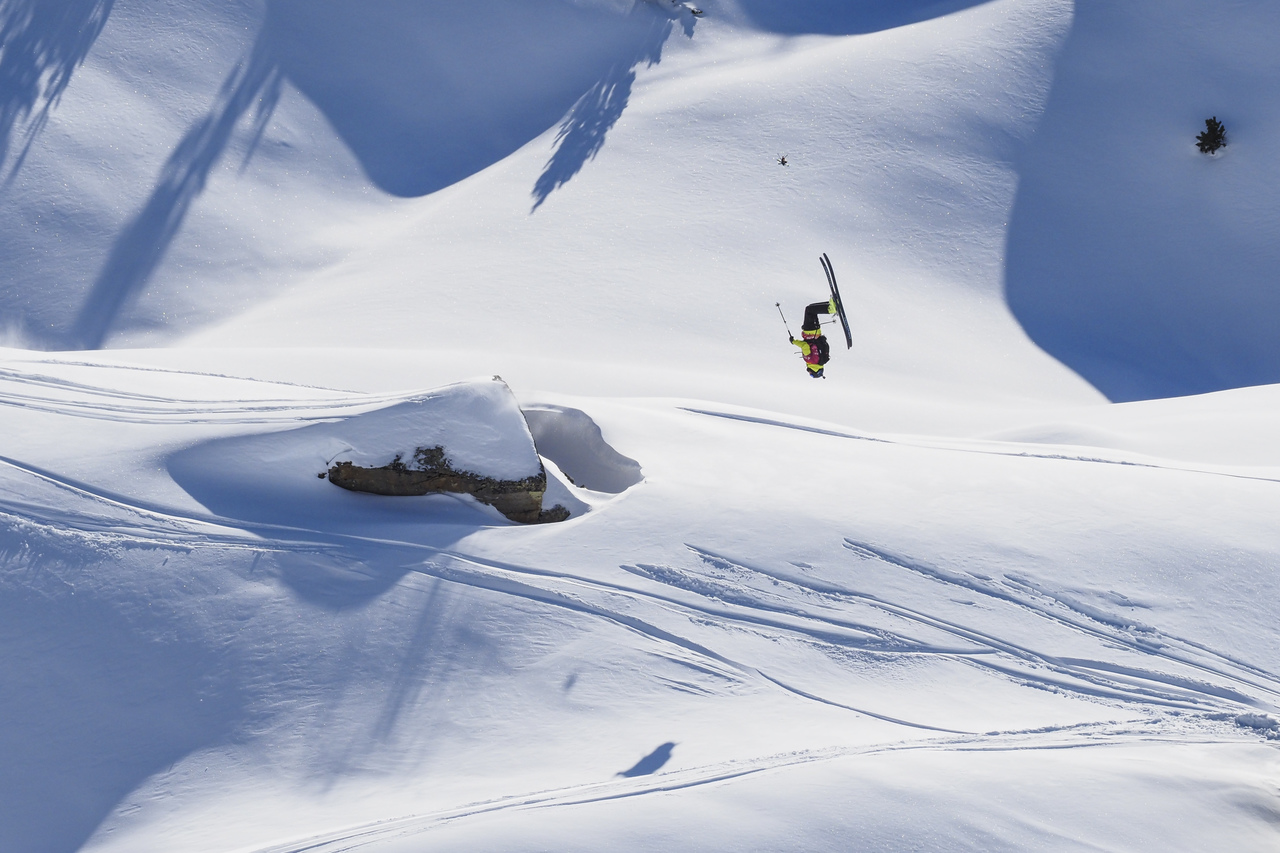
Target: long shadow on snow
[98, 695]
[442, 646]
[91, 706]
[42, 43]
[846, 17]
[422, 94]
[583, 131]
[426, 94]
[1143, 265]
[142, 245]
[334, 548]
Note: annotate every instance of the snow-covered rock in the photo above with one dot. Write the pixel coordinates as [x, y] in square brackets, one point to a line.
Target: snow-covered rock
[469, 438]
[479, 424]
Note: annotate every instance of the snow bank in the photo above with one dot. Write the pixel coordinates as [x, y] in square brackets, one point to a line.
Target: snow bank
[199, 143]
[274, 477]
[478, 423]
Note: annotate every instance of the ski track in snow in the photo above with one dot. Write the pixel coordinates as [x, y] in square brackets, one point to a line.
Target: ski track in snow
[1063, 609]
[376, 673]
[691, 611]
[1086, 677]
[747, 608]
[749, 600]
[99, 511]
[360, 835]
[734, 597]
[826, 619]
[1134, 685]
[100, 402]
[972, 447]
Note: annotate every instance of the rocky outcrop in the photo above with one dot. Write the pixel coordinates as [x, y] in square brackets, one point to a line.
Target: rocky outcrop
[429, 472]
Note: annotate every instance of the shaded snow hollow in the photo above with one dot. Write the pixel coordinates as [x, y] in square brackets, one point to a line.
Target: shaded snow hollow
[276, 476]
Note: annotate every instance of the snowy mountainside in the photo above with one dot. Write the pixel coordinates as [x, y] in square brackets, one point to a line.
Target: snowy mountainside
[690, 242]
[1144, 265]
[947, 598]
[701, 233]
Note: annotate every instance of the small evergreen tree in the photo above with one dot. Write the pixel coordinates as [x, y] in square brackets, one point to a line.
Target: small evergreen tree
[1213, 138]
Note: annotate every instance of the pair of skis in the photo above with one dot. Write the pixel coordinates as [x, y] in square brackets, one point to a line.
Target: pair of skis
[835, 296]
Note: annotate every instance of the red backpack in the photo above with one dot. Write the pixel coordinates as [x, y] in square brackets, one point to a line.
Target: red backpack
[819, 351]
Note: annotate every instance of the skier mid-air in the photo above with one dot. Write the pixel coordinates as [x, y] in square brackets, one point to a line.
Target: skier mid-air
[813, 344]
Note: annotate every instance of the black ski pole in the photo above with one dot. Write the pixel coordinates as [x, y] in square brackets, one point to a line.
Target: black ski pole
[778, 305]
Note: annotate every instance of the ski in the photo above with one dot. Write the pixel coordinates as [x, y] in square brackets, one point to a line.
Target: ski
[835, 294]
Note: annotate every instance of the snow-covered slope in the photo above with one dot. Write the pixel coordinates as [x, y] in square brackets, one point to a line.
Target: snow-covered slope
[1143, 264]
[947, 598]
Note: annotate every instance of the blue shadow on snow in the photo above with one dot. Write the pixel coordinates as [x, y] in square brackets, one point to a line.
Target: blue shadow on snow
[343, 548]
[90, 707]
[651, 763]
[845, 17]
[42, 43]
[583, 131]
[142, 245]
[1145, 266]
[424, 95]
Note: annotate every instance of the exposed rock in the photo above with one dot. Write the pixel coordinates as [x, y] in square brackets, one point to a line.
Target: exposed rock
[469, 438]
[430, 472]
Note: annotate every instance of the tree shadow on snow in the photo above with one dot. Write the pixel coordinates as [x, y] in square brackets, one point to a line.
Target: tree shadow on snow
[845, 17]
[90, 708]
[42, 43]
[424, 94]
[441, 647]
[142, 245]
[1142, 264]
[583, 131]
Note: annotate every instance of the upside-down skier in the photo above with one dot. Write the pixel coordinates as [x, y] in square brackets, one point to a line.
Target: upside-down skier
[813, 344]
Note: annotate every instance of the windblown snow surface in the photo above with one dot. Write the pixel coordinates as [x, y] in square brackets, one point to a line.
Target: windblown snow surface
[1007, 579]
